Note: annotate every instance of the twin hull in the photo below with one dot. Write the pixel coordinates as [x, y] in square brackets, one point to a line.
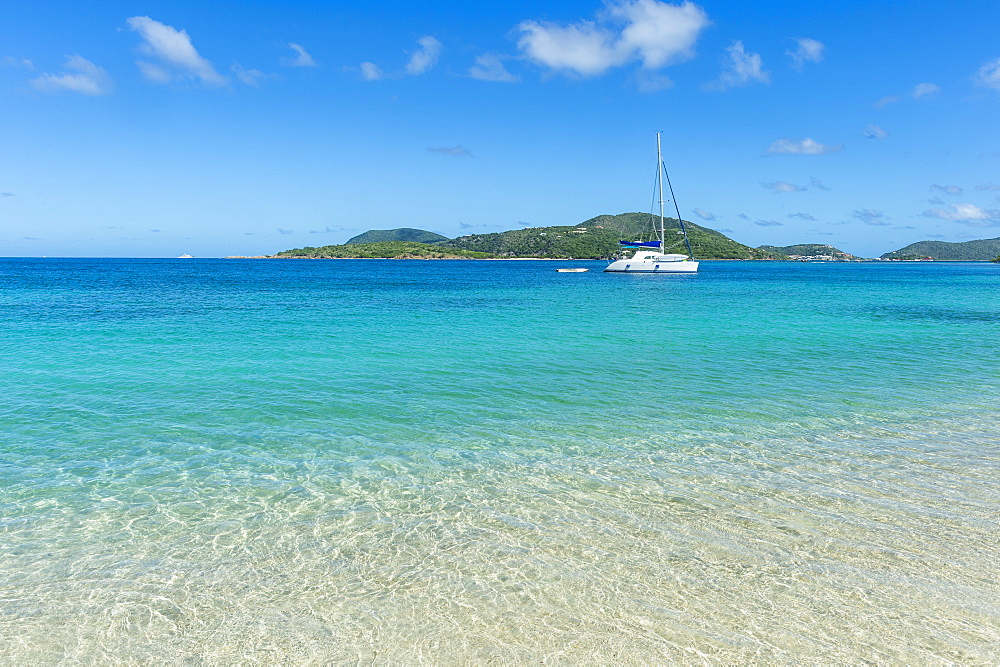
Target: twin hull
[643, 262]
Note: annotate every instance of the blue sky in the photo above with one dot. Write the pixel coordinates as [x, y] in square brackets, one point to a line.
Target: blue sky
[150, 129]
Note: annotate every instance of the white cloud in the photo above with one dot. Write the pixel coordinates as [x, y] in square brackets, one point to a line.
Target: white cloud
[924, 89]
[966, 213]
[802, 216]
[489, 67]
[659, 33]
[768, 223]
[871, 217]
[422, 59]
[948, 189]
[809, 50]
[988, 187]
[653, 32]
[741, 69]
[704, 215]
[9, 61]
[371, 72]
[302, 59]
[86, 78]
[781, 186]
[886, 101]
[251, 77]
[177, 55]
[425, 57]
[873, 131]
[801, 147]
[989, 75]
[453, 151]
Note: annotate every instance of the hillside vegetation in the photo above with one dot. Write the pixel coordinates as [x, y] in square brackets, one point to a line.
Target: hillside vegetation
[982, 250]
[808, 250]
[385, 250]
[401, 234]
[598, 237]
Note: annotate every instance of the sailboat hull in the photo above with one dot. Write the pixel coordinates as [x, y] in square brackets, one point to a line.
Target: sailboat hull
[628, 266]
[648, 262]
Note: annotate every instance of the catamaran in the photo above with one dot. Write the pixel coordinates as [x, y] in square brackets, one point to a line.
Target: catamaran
[652, 256]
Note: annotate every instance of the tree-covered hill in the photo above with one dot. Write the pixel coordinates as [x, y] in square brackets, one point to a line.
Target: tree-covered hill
[401, 234]
[384, 250]
[982, 250]
[598, 237]
[808, 250]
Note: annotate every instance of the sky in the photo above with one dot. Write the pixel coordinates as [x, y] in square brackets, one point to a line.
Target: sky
[152, 129]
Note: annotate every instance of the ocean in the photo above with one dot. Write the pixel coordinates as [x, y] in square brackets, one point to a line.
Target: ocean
[293, 461]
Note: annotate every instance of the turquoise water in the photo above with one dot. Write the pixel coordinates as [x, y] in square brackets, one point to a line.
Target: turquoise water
[453, 461]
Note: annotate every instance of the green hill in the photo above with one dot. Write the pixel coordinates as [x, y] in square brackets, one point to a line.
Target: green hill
[384, 250]
[598, 237]
[808, 250]
[401, 234]
[982, 250]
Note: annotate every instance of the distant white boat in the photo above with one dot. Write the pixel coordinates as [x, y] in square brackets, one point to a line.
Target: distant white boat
[572, 270]
[185, 256]
[651, 256]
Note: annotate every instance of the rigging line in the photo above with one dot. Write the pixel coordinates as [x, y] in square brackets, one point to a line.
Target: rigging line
[679, 219]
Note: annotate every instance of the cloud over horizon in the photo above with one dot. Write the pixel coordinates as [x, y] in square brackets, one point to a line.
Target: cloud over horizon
[421, 60]
[490, 67]
[810, 50]
[302, 58]
[969, 214]
[653, 33]
[805, 146]
[177, 55]
[86, 78]
[740, 69]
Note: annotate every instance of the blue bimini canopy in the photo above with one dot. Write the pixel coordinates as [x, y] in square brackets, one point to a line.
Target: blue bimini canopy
[639, 244]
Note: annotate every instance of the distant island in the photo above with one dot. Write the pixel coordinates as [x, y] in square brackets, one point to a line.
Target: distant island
[810, 251]
[598, 237]
[593, 239]
[982, 250]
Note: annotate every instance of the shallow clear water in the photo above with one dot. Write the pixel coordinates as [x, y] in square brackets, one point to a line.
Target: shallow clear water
[410, 461]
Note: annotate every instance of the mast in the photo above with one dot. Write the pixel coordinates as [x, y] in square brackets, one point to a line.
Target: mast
[659, 182]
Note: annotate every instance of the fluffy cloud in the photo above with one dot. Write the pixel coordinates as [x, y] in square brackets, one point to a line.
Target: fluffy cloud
[801, 147]
[177, 56]
[653, 32]
[781, 186]
[741, 69]
[489, 67]
[924, 89]
[422, 59]
[871, 217]
[425, 57]
[809, 50]
[989, 75]
[886, 101]
[251, 77]
[969, 214]
[371, 72]
[302, 59]
[873, 131]
[704, 215]
[947, 189]
[85, 78]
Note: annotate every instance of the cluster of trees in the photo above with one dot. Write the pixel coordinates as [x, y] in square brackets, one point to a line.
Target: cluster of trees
[401, 234]
[808, 250]
[598, 238]
[383, 250]
[981, 250]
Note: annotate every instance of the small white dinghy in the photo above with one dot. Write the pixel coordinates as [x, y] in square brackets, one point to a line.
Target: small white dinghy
[572, 270]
